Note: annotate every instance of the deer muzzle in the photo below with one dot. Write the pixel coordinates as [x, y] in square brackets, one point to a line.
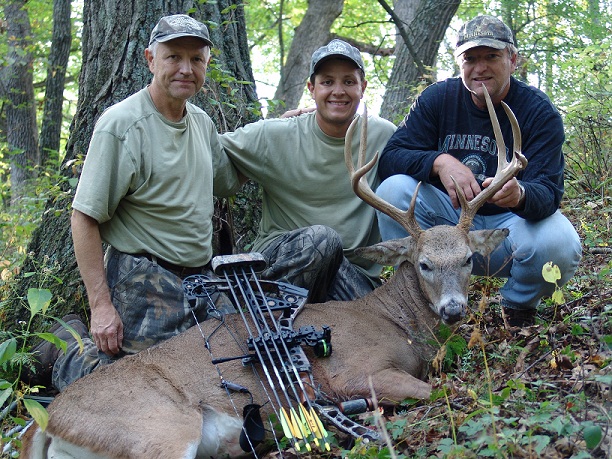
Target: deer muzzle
[452, 312]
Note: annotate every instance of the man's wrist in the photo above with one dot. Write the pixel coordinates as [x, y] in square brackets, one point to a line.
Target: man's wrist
[521, 200]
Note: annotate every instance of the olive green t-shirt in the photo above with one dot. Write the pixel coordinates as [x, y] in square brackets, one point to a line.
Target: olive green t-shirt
[149, 182]
[305, 180]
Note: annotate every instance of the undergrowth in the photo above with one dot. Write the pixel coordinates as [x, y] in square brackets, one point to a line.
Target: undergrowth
[541, 391]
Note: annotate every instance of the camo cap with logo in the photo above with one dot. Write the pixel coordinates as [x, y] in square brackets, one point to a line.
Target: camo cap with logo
[335, 48]
[179, 25]
[483, 31]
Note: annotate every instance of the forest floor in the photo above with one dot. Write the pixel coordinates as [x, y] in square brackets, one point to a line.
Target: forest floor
[538, 392]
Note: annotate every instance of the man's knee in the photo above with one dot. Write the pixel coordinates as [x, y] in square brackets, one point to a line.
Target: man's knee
[397, 188]
[539, 247]
[567, 253]
[325, 240]
[303, 249]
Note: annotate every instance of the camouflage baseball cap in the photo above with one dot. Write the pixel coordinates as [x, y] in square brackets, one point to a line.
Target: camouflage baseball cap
[483, 31]
[179, 25]
[335, 48]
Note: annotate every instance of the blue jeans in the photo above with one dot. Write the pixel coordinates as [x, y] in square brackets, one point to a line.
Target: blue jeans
[519, 258]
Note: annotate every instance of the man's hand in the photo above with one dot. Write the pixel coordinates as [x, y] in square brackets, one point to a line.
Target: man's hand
[107, 329]
[297, 112]
[511, 195]
[446, 166]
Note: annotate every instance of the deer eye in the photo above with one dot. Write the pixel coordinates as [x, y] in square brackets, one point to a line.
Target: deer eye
[424, 267]
[468, 262]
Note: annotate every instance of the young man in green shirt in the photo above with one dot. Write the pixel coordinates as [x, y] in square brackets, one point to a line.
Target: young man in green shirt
[312, 221]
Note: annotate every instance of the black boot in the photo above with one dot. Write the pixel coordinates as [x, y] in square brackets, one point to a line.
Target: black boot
[46, 353]
[520, 317]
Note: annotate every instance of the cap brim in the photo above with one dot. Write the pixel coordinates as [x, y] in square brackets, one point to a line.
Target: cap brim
[181, 35]
[489, 42]
[337, 56]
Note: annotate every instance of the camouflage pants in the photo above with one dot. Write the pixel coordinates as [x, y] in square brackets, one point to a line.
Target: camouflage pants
[152, 306]
[312, 258]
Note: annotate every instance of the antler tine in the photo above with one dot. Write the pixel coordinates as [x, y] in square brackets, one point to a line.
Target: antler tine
[516, 135]
[505, 169]
[361, 186]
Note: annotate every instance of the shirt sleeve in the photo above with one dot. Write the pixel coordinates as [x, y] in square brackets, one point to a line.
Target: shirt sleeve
[225, 179]
[247, 148]
[543, 139]
[109, 171]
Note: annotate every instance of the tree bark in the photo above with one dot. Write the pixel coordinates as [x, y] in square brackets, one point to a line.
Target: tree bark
[51, 126]
[18, 88]
[115, 34]
[426, 22]
[313, 32]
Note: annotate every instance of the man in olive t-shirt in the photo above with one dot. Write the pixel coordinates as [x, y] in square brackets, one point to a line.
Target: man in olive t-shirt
[312, 221]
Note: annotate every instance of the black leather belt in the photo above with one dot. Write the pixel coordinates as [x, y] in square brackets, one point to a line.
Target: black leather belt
[180, 271]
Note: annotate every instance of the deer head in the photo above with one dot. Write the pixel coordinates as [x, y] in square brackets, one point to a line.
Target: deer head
[441, 255]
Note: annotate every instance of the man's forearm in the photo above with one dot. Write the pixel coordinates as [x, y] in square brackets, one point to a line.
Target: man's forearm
[90, 257]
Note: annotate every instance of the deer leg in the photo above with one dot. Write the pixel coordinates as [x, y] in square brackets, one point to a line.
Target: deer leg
[397, 385]
[62, 449]
[220, 435]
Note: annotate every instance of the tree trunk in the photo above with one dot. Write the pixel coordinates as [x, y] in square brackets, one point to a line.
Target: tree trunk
[312, 33]
[115, 34]
[22, 133]
[426, 22]
[51, 127]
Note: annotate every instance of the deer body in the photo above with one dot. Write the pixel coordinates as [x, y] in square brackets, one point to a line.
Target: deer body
[167, 402]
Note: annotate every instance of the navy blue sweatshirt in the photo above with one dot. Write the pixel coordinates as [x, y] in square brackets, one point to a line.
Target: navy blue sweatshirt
[444, 119]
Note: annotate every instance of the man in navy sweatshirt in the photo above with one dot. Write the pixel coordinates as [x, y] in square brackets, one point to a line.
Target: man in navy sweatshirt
[448, 132]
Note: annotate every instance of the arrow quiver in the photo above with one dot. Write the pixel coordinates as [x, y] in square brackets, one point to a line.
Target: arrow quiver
[268, 310]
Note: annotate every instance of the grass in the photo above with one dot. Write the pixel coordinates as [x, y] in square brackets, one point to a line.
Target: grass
[544, 391]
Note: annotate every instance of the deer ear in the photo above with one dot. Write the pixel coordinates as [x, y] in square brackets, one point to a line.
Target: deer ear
[388, 253]
[485, 241]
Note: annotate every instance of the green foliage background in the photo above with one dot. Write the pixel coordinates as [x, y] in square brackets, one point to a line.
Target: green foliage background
[480, 406]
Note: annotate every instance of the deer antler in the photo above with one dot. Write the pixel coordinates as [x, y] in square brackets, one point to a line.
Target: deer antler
[505, 169]
[362, 188]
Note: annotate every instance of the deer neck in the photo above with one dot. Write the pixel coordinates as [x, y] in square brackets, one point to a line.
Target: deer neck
[401, 300]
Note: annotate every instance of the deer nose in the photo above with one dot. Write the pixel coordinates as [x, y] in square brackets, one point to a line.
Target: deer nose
[452, 312]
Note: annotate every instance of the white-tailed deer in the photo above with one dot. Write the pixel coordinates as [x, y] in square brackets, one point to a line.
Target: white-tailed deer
[167, 402]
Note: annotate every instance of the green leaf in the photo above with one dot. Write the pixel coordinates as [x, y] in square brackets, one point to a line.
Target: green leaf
[557, 297]
[39, 300]
[446, 445]
[38, 412]
[5, 394]
[74, 334]
[60, 343]
[539, 442]
[592, 436]
[7, 350]
[551, 273]
[605, 379]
